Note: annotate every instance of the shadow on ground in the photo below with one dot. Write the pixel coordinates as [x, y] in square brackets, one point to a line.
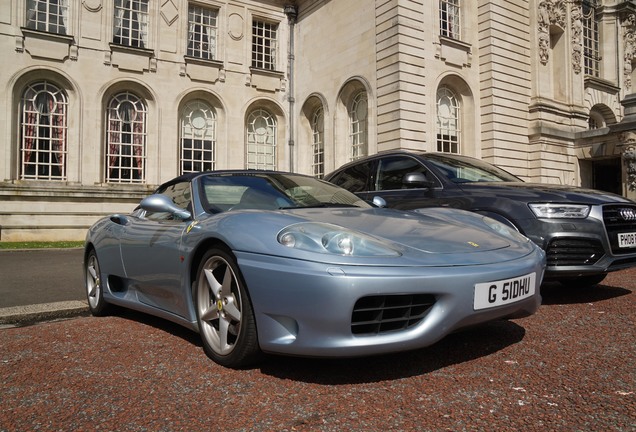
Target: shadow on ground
[465, 345]
[554, 293]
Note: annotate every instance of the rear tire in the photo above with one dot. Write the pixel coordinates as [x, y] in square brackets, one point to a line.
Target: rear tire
[582, 281]
[94, 290]
[224, 311]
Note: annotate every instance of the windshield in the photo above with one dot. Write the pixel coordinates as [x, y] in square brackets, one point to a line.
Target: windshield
[271, 191]
[460, 169]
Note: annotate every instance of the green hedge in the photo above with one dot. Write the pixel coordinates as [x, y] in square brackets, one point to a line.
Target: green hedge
[41, 245]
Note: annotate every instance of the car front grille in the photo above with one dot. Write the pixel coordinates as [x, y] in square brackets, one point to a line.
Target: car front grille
[573, 252]
[618, 219]
[387, 313]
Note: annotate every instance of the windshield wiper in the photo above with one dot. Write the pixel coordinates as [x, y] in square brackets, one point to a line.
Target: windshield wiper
[319, 205]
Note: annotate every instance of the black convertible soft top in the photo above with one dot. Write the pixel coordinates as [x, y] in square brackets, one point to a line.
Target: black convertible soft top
[188, 177]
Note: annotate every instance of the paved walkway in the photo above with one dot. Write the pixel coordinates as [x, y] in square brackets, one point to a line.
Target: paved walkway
[41, 283]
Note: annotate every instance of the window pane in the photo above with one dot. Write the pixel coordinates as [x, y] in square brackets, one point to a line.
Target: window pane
[354, 179]
[264, 45]
[591, 56]
[318, 145]
[358, 126]
[448, 121]
[202, 32]
[131, 23]
[391, 171]
[43, 132]
[261, 140]
[126, 139]
[449, 18]
[47, 15]
[198, 137]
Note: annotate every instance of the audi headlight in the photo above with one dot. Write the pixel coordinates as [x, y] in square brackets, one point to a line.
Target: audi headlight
[332, 239]
[560, 211]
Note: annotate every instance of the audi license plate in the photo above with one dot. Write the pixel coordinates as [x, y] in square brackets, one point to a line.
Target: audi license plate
[503, 292]
[627, 240]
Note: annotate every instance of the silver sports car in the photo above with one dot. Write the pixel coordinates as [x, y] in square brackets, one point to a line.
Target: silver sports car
[283, 263]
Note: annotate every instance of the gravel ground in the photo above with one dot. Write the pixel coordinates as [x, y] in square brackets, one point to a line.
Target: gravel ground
[571, 367]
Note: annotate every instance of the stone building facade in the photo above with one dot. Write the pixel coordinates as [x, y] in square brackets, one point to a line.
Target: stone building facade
[102, 100]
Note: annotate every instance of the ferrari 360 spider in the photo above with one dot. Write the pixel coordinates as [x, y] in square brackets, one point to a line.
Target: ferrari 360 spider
[284, 263]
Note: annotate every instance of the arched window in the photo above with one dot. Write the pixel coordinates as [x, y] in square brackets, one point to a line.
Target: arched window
[448, 121]
[261, 140]
[358, 126]
[198, 137]
[595, 120]
[125, 139]
[43, 132]
[318, 142]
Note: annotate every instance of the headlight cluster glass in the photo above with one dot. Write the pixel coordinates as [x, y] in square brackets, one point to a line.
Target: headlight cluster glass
[332, 239]
[560, 211]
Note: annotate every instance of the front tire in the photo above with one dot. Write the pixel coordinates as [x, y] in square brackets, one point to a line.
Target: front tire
[224, 312]
[94, 290]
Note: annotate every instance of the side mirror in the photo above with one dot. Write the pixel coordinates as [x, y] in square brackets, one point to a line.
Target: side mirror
[416, 180]
[379, 202]
[162, 204]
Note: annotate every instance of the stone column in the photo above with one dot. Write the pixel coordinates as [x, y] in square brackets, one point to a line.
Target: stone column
[626, 133]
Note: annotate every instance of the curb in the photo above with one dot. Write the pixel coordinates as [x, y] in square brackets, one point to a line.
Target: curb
[30, 314]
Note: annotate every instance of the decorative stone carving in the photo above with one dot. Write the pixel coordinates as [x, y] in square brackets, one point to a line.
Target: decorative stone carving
[73, 52]
[49, 45]
[19, 44]
[628, 142]
[169, 12]
[235, 23]
[203, 70]
[551, 12]
[629, 47]
[92, 5]
[576, 12]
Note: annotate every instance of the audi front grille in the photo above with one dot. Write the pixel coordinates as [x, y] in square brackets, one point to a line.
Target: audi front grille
[619, 219]
[573, 252]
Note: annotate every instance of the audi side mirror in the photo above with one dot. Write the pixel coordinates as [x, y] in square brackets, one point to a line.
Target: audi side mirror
[416, 180]
[379, 202]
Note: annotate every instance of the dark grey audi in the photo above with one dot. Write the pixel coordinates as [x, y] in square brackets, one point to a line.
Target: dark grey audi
[585, 233]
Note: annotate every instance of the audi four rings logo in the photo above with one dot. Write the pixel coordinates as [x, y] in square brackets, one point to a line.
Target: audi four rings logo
[628, 214]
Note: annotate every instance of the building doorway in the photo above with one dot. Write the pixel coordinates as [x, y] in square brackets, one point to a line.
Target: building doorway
[606, 175]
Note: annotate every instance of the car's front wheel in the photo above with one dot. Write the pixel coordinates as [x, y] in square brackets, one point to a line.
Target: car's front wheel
[94, 290]
[224, 312]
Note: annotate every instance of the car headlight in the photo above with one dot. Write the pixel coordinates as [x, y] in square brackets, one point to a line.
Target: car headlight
[332, 239]
[560, 211]
[505, 230]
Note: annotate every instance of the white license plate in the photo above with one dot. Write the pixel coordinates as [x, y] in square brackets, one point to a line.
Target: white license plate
[627, 240]
[503, 292]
